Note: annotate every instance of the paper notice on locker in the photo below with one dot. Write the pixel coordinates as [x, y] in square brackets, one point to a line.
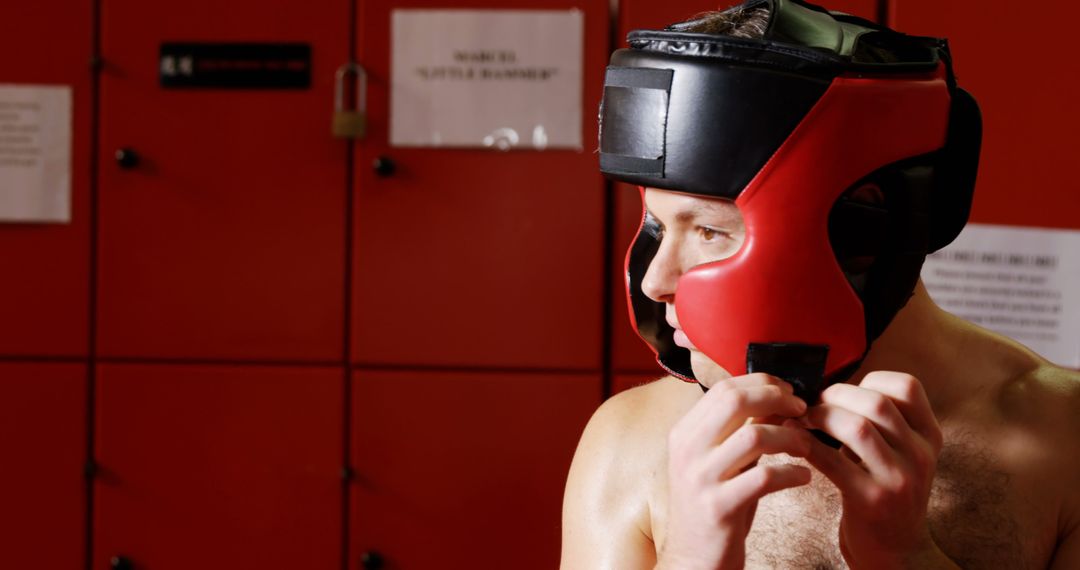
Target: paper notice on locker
[502, 79]
[1020, 282]
[35, 153]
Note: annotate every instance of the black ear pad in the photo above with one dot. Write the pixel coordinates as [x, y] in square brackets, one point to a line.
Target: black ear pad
[956, 169]
[892, 236]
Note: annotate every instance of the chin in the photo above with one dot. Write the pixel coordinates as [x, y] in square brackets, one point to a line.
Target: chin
[705, 370]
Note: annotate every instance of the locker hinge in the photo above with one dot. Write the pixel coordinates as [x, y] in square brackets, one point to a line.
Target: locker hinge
[90, 469]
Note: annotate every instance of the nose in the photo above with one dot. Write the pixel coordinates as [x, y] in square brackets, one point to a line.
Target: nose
[662, 275]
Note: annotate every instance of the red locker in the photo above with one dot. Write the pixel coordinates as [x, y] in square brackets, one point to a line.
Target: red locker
[463, 470]
[218, 467]
[43, 445]
[226, 240]
[476, 257]
[1028, 100]
[44, 291]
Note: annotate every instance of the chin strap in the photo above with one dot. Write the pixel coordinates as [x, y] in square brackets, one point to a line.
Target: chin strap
[801, 365]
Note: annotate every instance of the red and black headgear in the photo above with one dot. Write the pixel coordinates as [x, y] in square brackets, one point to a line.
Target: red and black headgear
[785, 126]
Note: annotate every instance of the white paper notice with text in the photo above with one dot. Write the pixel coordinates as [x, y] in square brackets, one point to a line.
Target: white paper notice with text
[35, 153]
[1020, 282]
[502, 79]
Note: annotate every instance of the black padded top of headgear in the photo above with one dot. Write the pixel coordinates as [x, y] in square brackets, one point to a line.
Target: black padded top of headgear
[702, 113]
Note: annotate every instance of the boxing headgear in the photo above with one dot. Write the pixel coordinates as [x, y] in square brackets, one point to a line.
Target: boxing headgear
[785, 126]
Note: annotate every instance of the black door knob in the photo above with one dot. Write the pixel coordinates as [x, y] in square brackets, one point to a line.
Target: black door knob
[120, 563]
[384, 166]
[371, 560]
[127, 158]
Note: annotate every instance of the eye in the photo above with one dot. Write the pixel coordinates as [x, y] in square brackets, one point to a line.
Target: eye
[710, 235]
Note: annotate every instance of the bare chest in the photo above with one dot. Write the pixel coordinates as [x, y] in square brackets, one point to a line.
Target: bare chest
[976, 515]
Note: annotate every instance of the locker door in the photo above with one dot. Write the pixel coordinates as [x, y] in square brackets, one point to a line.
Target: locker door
[629, 352]
[44, 290]
[463, 470]
[42, 450]
[218, 467]
[476, 257]
[226, 240]
[1028, 100]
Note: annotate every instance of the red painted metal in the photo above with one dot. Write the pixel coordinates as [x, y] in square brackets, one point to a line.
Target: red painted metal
[474, 257]
[1029, 123]
[44, 291]
[223, 467]
[228, 240]
[43, 441]
[470, 467]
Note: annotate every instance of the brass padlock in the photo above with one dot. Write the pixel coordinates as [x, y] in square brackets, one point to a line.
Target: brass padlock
[350, 123]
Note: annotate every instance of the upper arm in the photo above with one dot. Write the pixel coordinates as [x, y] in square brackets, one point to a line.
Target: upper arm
[606, 501]
[1067, 552]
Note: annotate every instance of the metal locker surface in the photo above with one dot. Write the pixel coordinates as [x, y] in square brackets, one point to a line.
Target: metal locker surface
[44, 279]
[463, 469]
[469, 257]
[225, 238]
[43, 446]
[218, 467]
[1027, 98]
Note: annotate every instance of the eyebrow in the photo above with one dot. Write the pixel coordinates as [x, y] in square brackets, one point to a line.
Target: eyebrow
[688, 215]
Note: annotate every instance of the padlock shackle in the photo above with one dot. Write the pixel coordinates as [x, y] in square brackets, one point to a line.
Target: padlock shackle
[348, 68]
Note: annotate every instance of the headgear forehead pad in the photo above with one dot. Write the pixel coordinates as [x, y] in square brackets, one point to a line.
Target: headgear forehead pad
[785, 126]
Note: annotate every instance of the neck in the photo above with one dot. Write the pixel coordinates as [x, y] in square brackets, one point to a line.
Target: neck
[922, 340]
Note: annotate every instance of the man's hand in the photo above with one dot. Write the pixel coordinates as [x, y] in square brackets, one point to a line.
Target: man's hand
[884, 471]
[714, 481]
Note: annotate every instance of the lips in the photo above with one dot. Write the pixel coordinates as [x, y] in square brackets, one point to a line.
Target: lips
[680, 337]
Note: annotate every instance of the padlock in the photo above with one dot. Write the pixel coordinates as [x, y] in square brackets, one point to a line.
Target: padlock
[350, 123]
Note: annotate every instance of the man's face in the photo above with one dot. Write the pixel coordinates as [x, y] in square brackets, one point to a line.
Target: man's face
[692, 230]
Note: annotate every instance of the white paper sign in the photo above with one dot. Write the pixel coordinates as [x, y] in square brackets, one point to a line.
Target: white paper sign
[487, 78]
[35, 153]
[1021, 282]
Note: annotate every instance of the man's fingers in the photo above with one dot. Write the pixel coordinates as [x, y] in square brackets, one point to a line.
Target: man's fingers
[908, 395]
[857, 433]
[755, 483]
[843, 472]
[717, 416]
[749, 443]
[875, 406]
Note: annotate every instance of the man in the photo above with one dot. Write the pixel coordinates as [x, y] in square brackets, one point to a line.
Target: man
[786, 216]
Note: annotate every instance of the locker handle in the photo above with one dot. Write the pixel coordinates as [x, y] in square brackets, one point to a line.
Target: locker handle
[371, 560]
[384, 166]
[120, 563]
[127, 158]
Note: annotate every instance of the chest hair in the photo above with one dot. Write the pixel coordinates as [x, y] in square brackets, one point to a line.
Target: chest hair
[969, 516]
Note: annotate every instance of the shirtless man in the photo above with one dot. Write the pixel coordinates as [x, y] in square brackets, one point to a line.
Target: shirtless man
[958, 446]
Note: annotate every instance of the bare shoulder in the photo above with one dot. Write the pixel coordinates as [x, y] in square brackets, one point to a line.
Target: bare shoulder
[606, 518]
